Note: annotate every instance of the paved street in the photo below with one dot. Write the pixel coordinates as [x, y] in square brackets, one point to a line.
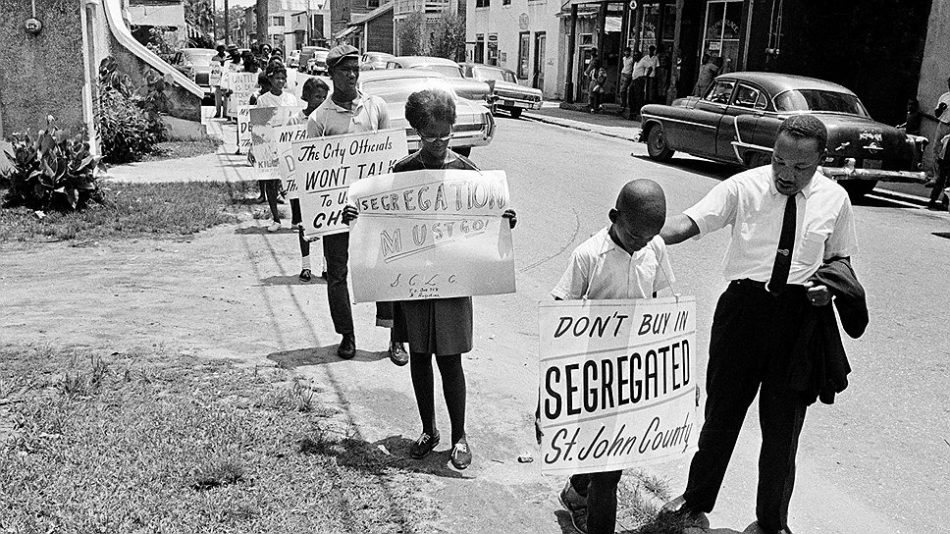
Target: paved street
[877, 461]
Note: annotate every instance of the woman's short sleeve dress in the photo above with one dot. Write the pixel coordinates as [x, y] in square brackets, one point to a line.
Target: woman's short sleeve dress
[434, 326]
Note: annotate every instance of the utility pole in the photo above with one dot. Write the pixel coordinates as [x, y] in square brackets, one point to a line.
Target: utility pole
[227, 27]
[214, 21]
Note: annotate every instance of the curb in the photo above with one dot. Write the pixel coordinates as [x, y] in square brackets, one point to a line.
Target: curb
[581, 126]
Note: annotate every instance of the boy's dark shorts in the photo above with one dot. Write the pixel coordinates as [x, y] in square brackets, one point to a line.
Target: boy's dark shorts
[295, 217]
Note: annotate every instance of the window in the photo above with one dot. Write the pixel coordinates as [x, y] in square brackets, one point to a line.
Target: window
[749, 97]
[524, 50]
[506, 2]
[482, 3]
[480, 48]
[372, 4]
[720, 92]
[278, 21]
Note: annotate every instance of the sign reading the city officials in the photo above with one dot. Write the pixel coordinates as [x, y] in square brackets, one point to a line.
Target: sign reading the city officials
[618, 383]
[325, 167]
[431, 234]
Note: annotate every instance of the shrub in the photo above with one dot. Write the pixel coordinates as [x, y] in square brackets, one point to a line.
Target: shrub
[129, 124]
[52, 170]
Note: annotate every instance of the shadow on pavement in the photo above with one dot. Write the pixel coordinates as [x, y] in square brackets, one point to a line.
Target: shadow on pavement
[380, 457]
[291, 359]
[945, 235]
[292, 280]
[703, 167]
[249, 230]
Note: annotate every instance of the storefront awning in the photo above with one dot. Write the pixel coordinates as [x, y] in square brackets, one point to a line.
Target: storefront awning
[342, 34]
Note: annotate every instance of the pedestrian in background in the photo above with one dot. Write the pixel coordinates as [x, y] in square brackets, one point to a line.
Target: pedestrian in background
[942, 113]
[626, 260]
[707, 73]
[440, 327]
[626, 77]
[598, 87]
[638, 85]
[314, 92]
[912, 119]
[349, 111]
[651, 63]
[773, 334]
[274, 96]
[218, 63]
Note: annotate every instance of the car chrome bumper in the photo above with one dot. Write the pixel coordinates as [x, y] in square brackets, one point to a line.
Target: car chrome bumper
[851, 173]
[505, 102]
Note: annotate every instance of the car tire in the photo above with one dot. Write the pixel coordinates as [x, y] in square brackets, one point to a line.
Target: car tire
[515, 113]
[858, 188]
[656, 144]
[463, 150]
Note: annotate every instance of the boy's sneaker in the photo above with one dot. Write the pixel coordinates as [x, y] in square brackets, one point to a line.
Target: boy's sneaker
[274, 227]
[576, 504]
[461, 454]
[424, 445]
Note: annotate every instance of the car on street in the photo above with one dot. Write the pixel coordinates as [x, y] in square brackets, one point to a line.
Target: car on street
[474, 124]
[374, 60]
[307, 63]
[195, 63]
[293, 59]
[506, 93]
[464, 87]
[737, 120]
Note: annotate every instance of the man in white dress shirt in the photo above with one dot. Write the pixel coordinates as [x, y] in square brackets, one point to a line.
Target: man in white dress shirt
[787, 220]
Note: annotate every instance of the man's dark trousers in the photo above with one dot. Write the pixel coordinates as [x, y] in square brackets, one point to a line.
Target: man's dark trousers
[336, 250]
[601, 492]
[750, 346]
[637, 95]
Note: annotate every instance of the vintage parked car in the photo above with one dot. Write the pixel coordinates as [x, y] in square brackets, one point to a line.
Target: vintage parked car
[304, 63]
[474, 125]
[464, 87]
[195, 63]
[506, 93]
[293, 59]
[317, 64]
[375, 60]
[737, 120]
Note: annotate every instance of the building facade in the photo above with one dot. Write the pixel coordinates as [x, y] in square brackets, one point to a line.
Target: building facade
[521, 35]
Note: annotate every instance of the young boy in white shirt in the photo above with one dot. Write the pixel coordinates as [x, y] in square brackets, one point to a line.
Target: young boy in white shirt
[626, 260]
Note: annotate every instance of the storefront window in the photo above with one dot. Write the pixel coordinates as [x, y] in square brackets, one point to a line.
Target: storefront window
[524, 43]
[493, 49]
[723, 30]
[653, 34]
[480, 48]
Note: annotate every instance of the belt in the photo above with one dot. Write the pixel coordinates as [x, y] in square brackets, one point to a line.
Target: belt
[747, 284]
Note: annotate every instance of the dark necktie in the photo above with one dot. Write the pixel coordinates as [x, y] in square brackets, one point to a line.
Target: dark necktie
[786, 244]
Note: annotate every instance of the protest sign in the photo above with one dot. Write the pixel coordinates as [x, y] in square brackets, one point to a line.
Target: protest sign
[244, 128]
[431, 234]
[264, 147]
[242, 86]
[618, 383]
[326, 166]
[285, 136]
[217, 70]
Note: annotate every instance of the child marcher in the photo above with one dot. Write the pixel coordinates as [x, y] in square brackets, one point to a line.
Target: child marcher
[626, 260]
[275, 96]
[442, 327]
[314, 92]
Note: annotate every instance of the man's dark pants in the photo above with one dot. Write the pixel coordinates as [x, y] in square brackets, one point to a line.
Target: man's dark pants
[601, 492]
[750, 346]
[336, 250]
[637, 94]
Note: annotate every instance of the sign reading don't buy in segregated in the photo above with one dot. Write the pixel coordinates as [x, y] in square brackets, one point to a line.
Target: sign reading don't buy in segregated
[618, 383]
[325, 168]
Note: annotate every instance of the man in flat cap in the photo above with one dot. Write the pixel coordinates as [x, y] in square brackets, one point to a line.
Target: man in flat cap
[349, 111]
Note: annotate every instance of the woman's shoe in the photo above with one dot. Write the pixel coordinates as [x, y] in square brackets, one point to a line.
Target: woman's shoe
[305, 275]
[424, 445]
[461, 454]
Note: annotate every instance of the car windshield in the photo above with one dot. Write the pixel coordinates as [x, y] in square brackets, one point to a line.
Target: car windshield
[489, 74]
[819, 100]
[198, 57]
[450, 71]
[399, 89]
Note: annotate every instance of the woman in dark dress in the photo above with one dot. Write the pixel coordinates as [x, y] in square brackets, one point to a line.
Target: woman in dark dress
[442, 327]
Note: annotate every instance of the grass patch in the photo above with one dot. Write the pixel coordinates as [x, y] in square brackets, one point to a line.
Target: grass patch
[182, 149]
[133, 210]
[157, 442]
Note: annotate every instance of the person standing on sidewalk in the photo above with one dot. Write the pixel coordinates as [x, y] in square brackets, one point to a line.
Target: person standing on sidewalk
[217, 72]
[626, 77]
[942, 113]
[349, 111]
[638, 86]
[440, 326]
[314, 93]
[651, 62]
[626, 260]
[275, 96]
[771, 326]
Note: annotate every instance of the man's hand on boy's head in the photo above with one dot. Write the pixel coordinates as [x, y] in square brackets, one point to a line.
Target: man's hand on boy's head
[512, 217]
[349, 214]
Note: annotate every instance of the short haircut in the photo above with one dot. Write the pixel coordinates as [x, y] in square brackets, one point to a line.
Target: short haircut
[274, 68]
[429, 105]
[805, 127]
[220, 48]
[311, 85]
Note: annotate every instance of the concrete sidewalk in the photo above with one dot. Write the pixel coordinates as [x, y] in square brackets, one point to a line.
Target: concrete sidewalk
[605, 123]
